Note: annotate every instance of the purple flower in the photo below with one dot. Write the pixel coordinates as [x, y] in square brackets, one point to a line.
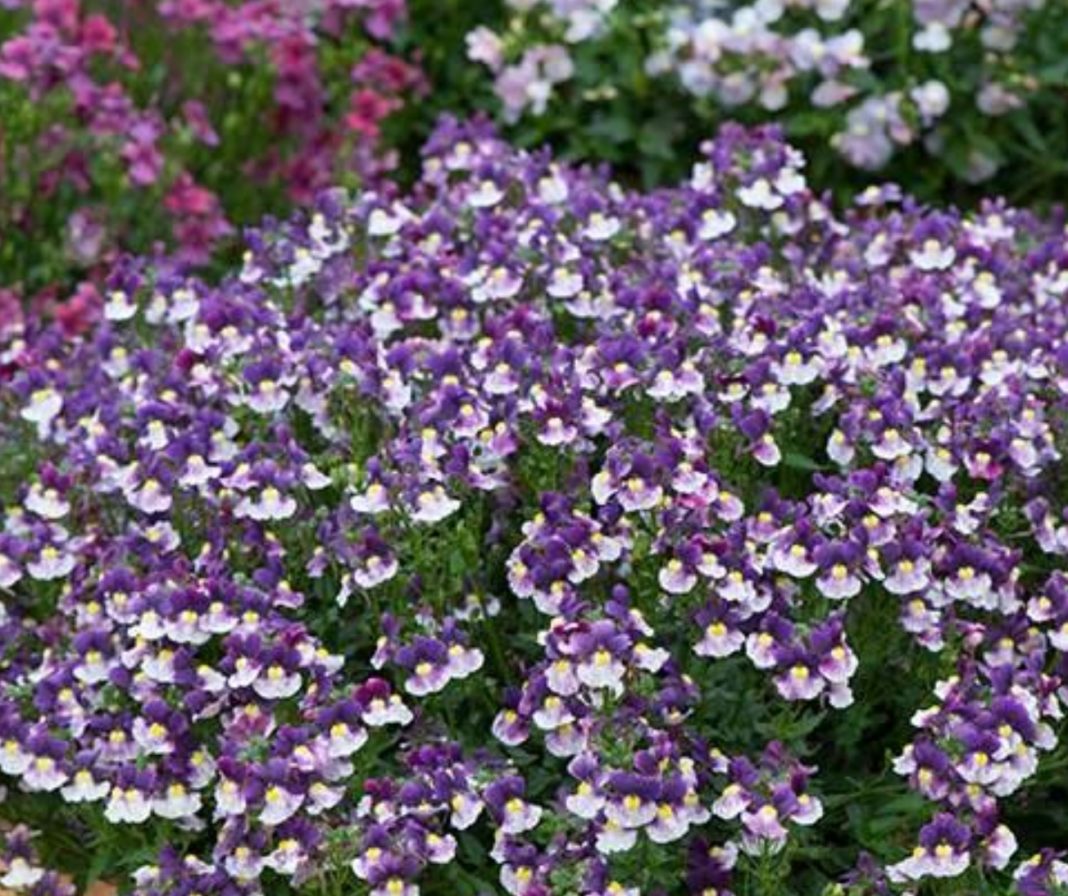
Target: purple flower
[943, 851]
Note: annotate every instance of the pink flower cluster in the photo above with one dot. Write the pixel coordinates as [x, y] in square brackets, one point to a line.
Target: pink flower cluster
[176, 121]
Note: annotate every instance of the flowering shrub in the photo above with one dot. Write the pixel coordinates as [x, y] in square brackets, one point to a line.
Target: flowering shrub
[521, 531]
[969, 84]
[127, 124]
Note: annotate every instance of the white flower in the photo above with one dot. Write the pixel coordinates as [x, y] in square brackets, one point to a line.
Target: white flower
[119, 306]
[486, 195]
[46, 502]
[127, 805]
[434, 505]
[271, 505]
[933, 256]
[21, 875]
[279, 804]
[760, 194]
[277, 684]
[177, 802]
[934, 38]
[50, 564]
[716, 223]
[44, 405]
[381, 223]
[600, 227]
[83, 788]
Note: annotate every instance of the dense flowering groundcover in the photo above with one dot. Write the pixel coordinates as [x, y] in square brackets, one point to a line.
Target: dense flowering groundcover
[947, 92]
[126, 124]
[520, 532]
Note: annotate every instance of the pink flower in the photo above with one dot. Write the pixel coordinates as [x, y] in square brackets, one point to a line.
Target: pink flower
[199, 221]
[17, 59]
[11, 319]
[485, 46]
[142, 155]
[196, 117]
[367, 109]
[78, 313]
[98, 35]
[63, 14]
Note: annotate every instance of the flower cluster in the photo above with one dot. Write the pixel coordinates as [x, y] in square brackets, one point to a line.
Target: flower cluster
[758, 54]
[521, 529]
[867, 78]
[103, 156]
[765, 795]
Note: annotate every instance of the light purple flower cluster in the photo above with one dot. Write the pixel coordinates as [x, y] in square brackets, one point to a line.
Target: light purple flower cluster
[526, 85]
[825, 56]
[755, 53]
[540, 452]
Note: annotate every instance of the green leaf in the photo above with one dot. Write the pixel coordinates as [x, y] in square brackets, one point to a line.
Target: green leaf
[614, 128]
[795, 460]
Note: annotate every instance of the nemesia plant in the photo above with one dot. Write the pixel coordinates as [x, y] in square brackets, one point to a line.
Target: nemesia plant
[966, 86]
[127, 124]
[521, 532]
